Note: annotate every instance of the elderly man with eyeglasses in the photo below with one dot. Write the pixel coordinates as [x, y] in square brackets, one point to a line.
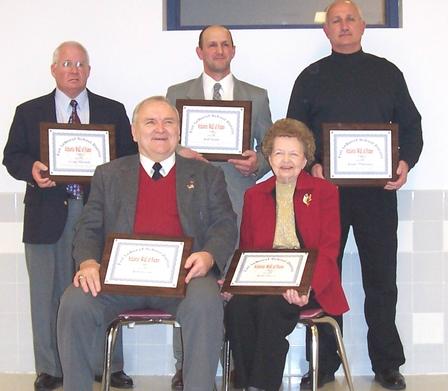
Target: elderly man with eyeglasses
[52, 209]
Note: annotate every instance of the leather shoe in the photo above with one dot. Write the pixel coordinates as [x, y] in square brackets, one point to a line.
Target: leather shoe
[322, 379]
[118, 379]
[391, 379]
[177, 382]
[45, 382]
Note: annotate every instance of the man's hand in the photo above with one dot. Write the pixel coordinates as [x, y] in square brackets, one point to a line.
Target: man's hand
[246, 166]
[317, 171]
[36, 172]
[402, 172]
[199, 264]
[292, 297]
[190, 153]
[88, 277]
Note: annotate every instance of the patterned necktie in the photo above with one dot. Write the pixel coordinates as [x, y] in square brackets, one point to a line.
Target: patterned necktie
[157, 167]
[74, 190]
[74, 119]
[216, 93]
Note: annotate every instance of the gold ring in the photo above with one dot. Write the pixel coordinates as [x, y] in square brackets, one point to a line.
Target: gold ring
[80, 277]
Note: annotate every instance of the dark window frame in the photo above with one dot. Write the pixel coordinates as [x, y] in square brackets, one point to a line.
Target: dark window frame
[173, 21]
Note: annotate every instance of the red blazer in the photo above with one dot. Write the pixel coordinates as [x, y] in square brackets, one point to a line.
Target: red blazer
[316, 207]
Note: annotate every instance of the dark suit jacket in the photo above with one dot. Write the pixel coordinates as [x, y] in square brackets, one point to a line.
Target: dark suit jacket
[46, 209]
[203, 204]
[318, 224]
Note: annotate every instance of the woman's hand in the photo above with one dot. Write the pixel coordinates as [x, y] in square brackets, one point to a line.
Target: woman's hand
[225, 295]
[292, 297]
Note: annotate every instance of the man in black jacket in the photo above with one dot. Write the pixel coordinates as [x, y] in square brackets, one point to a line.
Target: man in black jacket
[353, 86]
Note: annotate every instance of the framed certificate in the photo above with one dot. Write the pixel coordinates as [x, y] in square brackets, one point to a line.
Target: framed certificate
[270, 272]
[73, 151]
[218, 129]
[144, 265]
[360, 154]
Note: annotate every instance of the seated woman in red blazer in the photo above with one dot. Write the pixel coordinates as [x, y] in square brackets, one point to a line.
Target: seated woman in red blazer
[290, 210]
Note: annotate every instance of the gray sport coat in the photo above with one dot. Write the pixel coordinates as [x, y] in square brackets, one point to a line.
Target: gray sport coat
[261, 122]
[204, 208]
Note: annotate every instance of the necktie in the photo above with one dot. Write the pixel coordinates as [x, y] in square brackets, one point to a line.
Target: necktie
[157, 167]
[74, 119]
[216, 93]
[74, 190]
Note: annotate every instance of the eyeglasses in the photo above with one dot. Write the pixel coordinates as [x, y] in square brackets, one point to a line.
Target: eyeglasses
[71, 64]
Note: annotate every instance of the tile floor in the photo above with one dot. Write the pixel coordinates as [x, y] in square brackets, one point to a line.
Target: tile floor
[21, 382]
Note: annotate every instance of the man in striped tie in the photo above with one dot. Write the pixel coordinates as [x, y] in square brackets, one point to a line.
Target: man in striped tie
[52, 209]
[216, 51]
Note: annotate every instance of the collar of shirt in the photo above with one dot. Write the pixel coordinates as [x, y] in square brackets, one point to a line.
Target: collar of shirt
[64, 110]
[227, 84]
[167, 164]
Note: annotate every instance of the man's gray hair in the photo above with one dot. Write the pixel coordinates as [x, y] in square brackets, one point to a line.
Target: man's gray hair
[69, 43]
[156, 98]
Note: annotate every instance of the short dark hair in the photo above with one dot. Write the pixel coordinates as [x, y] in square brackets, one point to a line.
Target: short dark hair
[213, 25]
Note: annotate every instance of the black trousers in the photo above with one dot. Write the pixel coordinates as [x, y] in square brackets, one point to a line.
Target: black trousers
[257, 327]
[372, 212]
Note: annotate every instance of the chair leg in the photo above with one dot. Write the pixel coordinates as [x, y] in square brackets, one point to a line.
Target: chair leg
[314, 355]
[226, 366]
[341, 349]
[111, 337]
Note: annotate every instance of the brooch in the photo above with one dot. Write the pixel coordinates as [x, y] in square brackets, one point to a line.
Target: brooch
[190, 185]
[307, 198]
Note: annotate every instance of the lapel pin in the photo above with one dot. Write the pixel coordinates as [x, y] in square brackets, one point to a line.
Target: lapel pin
[190, 185]
[307, 198]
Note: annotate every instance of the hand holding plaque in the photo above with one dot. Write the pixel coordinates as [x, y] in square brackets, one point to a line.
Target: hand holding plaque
[145, 265]
[73, 151]
[270, 272]
[218, 129]
[358, 154]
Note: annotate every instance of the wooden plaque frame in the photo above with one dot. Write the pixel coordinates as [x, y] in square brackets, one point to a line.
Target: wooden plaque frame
[245, 104]
[45, 152]
[140, 290]
[302, 289]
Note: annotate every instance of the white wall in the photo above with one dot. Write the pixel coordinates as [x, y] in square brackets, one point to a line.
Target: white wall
[133, 58]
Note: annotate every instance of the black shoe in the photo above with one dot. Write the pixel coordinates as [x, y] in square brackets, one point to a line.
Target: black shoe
[391, 379]
[177, 382]
[45, 382]
[118, 379]
[322, 379]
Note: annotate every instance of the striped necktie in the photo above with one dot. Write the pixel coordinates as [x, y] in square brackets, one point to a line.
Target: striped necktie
[74, 190]
[74, 119]
[216, 93]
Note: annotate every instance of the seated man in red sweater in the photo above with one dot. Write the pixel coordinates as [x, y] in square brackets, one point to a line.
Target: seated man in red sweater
[156, 192]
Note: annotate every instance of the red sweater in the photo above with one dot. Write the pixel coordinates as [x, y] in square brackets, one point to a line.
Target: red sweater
[156, 211]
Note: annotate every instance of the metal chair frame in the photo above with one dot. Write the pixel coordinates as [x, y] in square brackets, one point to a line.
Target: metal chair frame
[309, 318]
[129, 319]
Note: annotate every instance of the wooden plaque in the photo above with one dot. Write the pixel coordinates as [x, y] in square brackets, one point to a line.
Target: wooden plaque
[289, 259]
[218, 129]
[73, 151]
[145, 265]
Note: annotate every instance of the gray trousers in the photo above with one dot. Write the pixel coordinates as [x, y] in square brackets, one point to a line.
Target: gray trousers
[236, 186]
[50, 271]
[83, 319]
